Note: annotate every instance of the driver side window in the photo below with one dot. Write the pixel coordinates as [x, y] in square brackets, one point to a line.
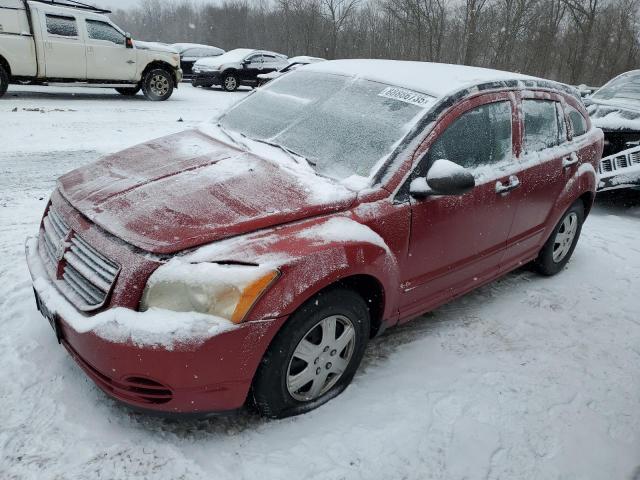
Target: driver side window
[481, 136]
[255, 59]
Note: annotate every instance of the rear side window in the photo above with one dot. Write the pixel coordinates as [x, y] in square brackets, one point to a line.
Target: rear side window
[577, 121]
[103, 31]
[481, 136]
[541, 125]
[63, 26]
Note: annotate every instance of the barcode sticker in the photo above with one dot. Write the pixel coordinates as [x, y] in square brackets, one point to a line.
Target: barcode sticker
[407, 96]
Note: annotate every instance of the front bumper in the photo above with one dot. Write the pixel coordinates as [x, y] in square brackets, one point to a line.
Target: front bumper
[205, 79]
[620, 170]
[211, 376]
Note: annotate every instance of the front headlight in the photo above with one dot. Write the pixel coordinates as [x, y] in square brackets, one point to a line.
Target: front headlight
[227, 291]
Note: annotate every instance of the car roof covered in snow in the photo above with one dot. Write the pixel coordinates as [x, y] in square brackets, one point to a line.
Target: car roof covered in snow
[435, 79]
[185, 46]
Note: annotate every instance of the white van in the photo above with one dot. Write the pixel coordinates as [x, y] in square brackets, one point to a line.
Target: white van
[65, 42]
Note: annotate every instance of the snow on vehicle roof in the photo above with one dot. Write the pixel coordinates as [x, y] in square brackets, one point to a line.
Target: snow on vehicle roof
[436, 79]
[232, 56]
[185, 46]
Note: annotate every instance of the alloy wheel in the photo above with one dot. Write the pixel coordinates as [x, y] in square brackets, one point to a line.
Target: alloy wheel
[230, 83]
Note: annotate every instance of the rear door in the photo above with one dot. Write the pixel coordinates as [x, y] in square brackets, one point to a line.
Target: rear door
[547, 161]
[272, 63]
[457, 242]
[64, 48]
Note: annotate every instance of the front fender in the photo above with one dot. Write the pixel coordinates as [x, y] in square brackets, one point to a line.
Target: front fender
[311, 255]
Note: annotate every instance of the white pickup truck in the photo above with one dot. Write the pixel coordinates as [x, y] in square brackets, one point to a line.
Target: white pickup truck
[48, 42]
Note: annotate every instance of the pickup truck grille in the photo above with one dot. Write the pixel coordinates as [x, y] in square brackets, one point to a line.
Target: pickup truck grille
[619, 161]
[87, 275]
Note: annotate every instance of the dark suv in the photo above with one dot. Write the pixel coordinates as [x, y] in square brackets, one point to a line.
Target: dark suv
[236, 67]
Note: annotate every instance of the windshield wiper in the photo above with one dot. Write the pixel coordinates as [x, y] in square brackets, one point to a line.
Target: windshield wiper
[230, 137]
[292, 155]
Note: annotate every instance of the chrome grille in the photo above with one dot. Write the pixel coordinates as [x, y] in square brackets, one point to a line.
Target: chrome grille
[625, 159]
[87, 273]
[55, 231]
[635, 157]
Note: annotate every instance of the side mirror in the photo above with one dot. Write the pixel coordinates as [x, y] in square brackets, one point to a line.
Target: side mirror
[443, 178]
[246, 62]
[128, 42]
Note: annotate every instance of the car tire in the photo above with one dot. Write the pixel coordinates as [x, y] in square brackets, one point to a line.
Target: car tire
[157, 84]
[230, 82]
[286, 384]
[4, 80]
[128, 91]
[558, 249]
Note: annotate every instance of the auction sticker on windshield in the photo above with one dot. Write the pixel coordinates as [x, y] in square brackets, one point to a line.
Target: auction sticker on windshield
[406, 96]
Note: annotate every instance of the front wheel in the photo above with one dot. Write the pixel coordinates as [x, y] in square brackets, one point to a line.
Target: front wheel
[128, 91]
[562, 242]
[157, 84]
[230, 82]
[314, 356]
[4, 80]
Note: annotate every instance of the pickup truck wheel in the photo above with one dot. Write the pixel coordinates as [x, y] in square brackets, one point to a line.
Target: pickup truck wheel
[128, 92]
[563, 239]
[157, 84]
[314, 356]
[4, 81]
[230, 82]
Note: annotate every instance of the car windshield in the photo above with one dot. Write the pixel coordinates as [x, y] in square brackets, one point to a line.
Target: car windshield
[621, 90]
[344, 126]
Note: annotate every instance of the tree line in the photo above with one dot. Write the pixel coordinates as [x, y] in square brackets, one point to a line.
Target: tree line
[575, 41]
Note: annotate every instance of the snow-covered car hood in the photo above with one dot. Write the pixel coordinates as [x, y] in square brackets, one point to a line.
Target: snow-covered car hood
[189, 189]
[611, 116]
[270, 75]
[154, 46]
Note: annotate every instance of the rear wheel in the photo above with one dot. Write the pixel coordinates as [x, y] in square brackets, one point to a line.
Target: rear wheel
[128, 91]
[157, 84]
[562, 242]
[4, 80]
[314, 356]
[230, 82]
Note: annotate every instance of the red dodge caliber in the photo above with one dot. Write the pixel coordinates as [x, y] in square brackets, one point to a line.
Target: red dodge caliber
[250, 261]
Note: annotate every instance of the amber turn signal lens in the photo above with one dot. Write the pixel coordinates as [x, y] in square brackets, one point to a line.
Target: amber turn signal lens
[251, 294]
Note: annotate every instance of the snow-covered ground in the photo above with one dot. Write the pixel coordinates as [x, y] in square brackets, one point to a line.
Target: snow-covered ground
[527, 378]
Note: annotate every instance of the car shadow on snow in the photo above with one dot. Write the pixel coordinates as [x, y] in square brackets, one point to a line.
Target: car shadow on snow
[105, 94]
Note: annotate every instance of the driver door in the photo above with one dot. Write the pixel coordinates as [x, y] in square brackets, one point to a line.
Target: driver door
[457, 242]
[108, 58]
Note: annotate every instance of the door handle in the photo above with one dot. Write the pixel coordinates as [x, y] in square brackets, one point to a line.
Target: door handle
[89, 49]
[570, 160]
[514, 182]
[131, 62]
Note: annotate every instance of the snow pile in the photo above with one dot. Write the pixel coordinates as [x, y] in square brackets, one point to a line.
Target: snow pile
[343, 230]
